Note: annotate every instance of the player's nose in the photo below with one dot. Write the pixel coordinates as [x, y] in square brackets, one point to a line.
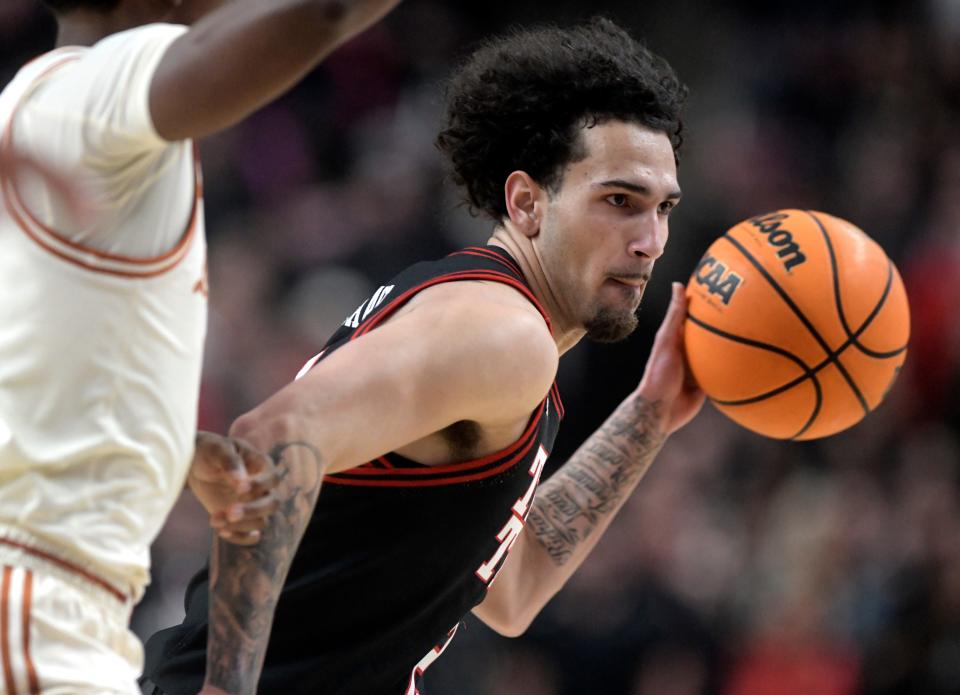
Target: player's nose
[648, 236]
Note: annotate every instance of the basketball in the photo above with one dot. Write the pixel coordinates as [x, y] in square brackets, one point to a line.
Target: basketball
[797, 324]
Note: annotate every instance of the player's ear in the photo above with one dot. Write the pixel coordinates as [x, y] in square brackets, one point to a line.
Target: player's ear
[522, 196]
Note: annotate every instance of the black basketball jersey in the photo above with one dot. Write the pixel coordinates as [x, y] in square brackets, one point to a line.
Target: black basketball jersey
[396, 552]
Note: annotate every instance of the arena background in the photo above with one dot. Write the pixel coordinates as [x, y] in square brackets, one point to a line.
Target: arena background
[742, 566]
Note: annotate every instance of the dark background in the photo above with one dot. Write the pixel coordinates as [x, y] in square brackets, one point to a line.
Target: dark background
[742, 565]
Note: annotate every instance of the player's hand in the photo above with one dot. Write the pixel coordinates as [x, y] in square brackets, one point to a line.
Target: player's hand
[667, 378]
[236, 484]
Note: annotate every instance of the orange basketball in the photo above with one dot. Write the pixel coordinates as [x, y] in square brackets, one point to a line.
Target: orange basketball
[797, 324]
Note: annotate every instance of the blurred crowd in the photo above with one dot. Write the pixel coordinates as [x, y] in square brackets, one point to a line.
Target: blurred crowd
[743, 565]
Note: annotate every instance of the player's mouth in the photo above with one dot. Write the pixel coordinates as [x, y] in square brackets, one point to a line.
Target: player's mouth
[628, 289]
[634, 283]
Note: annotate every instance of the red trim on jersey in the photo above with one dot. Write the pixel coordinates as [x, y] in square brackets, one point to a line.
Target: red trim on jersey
[423, 469]
[493, 275]
[555, 392]
[482, 252]
[510, 260]
[21, 214]
[68, 566]
[433, 482]
[447, 474]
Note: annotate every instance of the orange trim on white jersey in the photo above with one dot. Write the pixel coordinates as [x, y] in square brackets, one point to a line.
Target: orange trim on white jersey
[84, 256]
[67, 566]
[5, 656]
[18, 666]
[32, 681]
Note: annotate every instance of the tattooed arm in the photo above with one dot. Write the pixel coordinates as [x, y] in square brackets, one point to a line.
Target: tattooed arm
[573, 508]
[245, 581]
[577, 503]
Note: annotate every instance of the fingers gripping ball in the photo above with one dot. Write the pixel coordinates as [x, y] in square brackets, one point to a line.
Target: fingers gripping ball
[797, 324]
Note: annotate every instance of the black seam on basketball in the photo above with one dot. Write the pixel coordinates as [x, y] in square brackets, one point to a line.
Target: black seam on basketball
[818, 392]
[803, 319]
[808, 373]
[838, 298]
[834, 271]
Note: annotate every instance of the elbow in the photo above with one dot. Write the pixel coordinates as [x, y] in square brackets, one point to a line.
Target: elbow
[509, 620]
[513, 629]
[263, 430]
[521, 622]
[513, 626]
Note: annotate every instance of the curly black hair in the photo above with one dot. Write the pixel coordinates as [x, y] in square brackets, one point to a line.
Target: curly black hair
[520, 101]
[61, 6]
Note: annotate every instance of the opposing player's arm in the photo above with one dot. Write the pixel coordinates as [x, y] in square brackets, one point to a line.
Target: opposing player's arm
[245, 54]
[442, 361]
[573, 508]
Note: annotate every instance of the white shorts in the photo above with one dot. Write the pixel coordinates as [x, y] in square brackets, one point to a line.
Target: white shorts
[62, 635]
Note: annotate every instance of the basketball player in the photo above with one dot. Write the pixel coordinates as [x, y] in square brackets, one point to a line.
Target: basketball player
[430, 413]
[102, 325]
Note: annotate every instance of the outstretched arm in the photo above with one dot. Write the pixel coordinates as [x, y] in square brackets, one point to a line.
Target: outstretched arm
[244, 55]
[573, 508]
[393, 386]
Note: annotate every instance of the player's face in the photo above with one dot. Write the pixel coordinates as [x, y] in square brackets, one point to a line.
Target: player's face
[606, 225]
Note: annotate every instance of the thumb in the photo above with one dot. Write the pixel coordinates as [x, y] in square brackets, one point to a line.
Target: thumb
[232, 466]
[672, 324]
[255, 461]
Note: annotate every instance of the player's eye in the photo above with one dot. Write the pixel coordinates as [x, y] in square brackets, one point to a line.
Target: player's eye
[666, 207]
[618, 200]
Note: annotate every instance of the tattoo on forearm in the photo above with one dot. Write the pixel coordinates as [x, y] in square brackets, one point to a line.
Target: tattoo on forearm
[597, 478]
[245, 581]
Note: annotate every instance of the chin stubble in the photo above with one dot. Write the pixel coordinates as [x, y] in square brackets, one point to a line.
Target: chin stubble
[610, 326]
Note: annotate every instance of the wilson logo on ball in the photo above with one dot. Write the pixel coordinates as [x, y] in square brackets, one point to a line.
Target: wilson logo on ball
[787, 248]
[714, 275]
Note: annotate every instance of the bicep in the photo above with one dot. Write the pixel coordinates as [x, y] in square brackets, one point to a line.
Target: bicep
[380, 392]
[403, 381]
[236, 60]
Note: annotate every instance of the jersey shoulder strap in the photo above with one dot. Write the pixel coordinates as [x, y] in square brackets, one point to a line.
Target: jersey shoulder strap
[489, 263]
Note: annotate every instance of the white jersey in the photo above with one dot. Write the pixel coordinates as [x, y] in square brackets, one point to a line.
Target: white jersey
[101, 328]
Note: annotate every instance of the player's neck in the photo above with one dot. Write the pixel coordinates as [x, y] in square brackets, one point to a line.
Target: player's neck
[85, 28]
[565, 333]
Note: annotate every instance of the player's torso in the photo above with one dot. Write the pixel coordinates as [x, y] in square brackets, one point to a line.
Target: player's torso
[397, 552]
[100, 351]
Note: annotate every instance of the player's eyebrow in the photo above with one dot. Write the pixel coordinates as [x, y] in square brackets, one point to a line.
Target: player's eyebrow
[636, 188]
